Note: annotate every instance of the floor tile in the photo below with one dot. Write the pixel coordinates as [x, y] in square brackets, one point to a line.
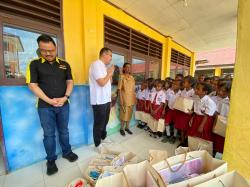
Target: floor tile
[25, 177]
[139, 143]
[38, 184]
[62, 179]
[62, 165]
[2, 179]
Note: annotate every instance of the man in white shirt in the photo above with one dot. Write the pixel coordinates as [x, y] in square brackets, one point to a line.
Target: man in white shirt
[100, 77]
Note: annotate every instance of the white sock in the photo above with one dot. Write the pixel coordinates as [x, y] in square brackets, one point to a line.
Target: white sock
[168, 130]
[175, 132]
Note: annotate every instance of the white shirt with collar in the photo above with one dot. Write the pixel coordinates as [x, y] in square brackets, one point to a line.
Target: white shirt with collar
[204, 105]
[171, 97]
[187, 93]
[160, 97]
[223, 107]
[148, 94]
[141, 94]
[98, 94]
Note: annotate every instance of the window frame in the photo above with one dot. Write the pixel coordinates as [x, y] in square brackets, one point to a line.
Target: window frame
[28, 25]
[139, 56]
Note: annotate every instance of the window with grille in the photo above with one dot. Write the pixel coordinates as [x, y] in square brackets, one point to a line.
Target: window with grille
[21, 22]
[120, 35]
[180, 63]
[46, 11]
[180, 58]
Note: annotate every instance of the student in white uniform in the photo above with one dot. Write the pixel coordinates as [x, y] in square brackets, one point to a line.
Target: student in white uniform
[158, 100]
[222, 110]
[148, 94]
[204, 109]
[140, 105]
[170, 114]
[100, 93]
[182, 118]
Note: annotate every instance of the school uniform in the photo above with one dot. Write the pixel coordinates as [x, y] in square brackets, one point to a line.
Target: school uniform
[203, 106]
[213, 93]
[182, 119]
[157, 99]
[223, 110]
[148, 96]
[216, 98]
[140, 100]
[170, 98]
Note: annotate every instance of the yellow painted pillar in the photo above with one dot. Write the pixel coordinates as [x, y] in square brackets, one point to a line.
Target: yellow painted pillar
[237, 151]
[217, 72]
[91, 33]
[168, 56]
[164, 60]
[192, 65]
[73, 38]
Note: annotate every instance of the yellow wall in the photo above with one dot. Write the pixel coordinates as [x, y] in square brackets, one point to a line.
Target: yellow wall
[237, 151]
[73, 37]
[84, 34]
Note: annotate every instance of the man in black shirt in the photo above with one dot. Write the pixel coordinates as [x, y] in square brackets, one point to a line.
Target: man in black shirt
[50, 79]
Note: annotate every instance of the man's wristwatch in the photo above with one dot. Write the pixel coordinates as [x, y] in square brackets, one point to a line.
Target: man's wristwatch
[66, 96]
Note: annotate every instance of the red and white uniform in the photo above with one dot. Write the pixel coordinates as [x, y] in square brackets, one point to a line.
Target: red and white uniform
[203, 106]
[157, 99]
[170, 98]
[182, 119]
[140, 100]
[223, 110]
[148, 96]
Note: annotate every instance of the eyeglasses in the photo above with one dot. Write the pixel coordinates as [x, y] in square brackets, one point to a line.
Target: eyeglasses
[44, 51]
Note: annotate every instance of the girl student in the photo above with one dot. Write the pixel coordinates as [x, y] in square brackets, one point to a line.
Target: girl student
[170, 112]
[182, 118]
[204, 109]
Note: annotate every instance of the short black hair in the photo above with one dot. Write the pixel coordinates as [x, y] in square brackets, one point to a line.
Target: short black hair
[208, 78]
[180, 82]
[124, 65]
[191, 80]
[104, 50]
[45, 38]
[206, 87]
[150, 79]
[179, 75]
[226, 86]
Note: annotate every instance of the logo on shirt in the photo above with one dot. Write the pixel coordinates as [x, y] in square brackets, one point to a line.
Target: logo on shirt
[62, 67]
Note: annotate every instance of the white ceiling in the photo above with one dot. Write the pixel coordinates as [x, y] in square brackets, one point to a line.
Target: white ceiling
[201, 26]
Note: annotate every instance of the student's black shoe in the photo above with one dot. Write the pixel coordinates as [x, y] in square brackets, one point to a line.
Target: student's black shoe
[140, 126]
[172, 140]
[51, 167]
[72, 157]
[128, 131]
[122, 132]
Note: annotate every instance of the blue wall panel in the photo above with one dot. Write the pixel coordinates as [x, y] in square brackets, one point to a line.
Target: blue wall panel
[23, 134]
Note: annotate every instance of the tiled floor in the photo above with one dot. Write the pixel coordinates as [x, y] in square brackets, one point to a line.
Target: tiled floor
[35, 176]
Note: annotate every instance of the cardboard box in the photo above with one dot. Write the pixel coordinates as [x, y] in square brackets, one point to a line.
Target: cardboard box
[184, 104]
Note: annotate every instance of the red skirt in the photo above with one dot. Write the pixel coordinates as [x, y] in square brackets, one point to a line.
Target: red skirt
[140, 105]
[182, 121]
[147, 109]
[207, 129]
[170, 116]
[218, 142]
[158, 115]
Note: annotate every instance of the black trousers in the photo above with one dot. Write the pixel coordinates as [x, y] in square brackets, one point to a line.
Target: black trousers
[101, 119]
